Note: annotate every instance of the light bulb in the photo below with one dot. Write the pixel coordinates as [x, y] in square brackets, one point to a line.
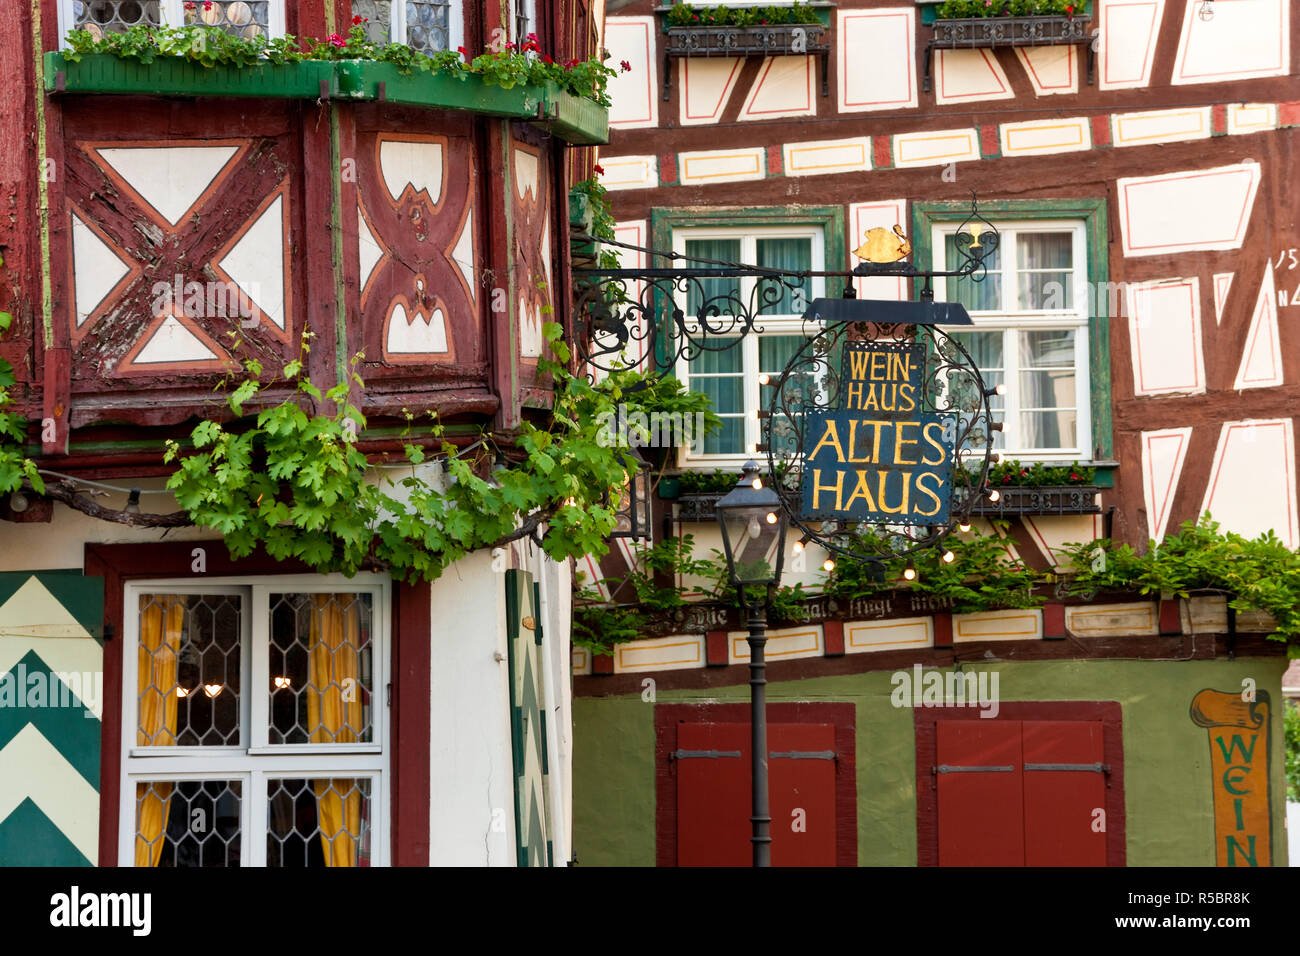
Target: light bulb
[1206, 11]
[771, 517]
[828, 565]
[751, 449]
[994, 494]
[18, 502]
[753, 527]
[798, 547]
[756, 484]
[764, 379]
[949, 557]
[909, 572]
[964, 527]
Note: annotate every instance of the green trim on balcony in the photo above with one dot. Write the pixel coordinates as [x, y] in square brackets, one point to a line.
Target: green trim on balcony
[571, 118]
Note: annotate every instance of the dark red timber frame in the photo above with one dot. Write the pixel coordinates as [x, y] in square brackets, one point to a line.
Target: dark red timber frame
[1112, 734]
[410, 716]
[841, 715]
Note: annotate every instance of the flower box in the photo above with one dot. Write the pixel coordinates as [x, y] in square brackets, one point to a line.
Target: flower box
[571, 118]
[177, 76]
[1048, 500]
[989, 32]
[787, 39]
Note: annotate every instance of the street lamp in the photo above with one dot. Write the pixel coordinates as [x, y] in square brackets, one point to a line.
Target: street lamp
[753, 528]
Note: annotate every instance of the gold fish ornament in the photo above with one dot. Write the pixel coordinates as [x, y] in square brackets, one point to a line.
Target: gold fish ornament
[881, 245]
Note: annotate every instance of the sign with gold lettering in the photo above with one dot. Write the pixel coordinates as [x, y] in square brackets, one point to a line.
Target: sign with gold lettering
[1239, 774]
[879, 458]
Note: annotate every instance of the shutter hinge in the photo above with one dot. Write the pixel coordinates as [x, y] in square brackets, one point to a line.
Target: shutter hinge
[710, 754]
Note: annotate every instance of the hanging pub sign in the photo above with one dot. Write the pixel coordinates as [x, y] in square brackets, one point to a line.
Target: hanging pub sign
[879, 458]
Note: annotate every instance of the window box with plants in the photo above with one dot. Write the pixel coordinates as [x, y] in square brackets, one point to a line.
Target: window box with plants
[973, 24]
[567, 99]
[781, 29]
[1040, 489]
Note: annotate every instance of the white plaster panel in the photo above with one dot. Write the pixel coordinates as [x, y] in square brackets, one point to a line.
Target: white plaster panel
[885, 213]
[1160, 126]
[633, 94]
[721, 166]
[888, 635]
[1261, 356]
[706, 85]
[936, 148]
[875, 59]
[1051, 69]
[784, 88]
[1252, 480]
[1127, 47]
[1244, 39]
[1043, 137]
[1163, 454]
[1165, 335]
[965, 76]
[1188, 210]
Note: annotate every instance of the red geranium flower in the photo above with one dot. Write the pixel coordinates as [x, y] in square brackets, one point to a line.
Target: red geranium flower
[546, 58]
[189, 6]
[335, 40]
[356, 20]
[625, 66]
[207, 4]
[600, 170]
[1074, 476]
[1006, 479]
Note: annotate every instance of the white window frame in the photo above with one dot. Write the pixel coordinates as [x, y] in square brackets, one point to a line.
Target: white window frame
[753, 429]
[254, 762]
[173, 14]
[1011, 321]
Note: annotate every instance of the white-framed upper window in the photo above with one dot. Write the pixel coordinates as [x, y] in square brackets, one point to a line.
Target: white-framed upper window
[525, 19]
[1030, 334]
[729, 372]
[426, 26]
[244, 18]
[255, 722]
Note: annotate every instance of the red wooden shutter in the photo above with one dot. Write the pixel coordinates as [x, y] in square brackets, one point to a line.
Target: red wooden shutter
[801, 776]
[979, 779]
[712, 764]
[1063, 786]
[714, 799]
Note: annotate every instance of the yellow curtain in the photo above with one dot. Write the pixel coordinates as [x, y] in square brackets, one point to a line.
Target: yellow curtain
[334, 715]
[161, 622]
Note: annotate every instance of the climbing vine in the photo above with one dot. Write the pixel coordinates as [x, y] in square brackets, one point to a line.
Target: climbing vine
[295, 483]
[15, 467]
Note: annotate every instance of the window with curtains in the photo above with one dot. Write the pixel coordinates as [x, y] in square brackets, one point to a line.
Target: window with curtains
[243, 18]
[730, 369]
[429, 26]
[1030, 334]
[255, 723]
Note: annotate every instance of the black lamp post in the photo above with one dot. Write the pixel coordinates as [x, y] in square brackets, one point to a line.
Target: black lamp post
[753, 539]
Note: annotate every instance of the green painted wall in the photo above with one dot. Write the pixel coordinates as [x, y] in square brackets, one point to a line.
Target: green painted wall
[1168, 799]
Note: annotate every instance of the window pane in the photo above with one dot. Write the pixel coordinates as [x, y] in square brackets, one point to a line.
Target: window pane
[320, 667]
[188, 678]
[324, 822]
[243, 19]
[1047, 389]
[187, 823]
[718, 375]
[1047, 349]
[774, 352]
[379, 13]
[985, 349]
[788, 255]
[702, 292]
[1044, 250]
[114, 16]
[427, 25]
[984, 295]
